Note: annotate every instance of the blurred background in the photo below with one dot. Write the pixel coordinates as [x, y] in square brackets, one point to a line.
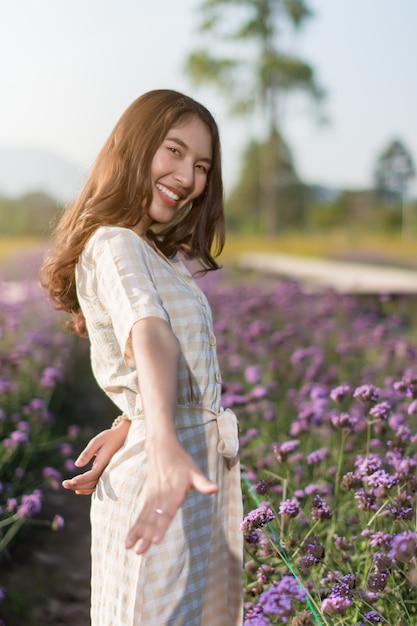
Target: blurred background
[315, 101]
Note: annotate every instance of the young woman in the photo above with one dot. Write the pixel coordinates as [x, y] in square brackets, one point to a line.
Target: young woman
[166, 506]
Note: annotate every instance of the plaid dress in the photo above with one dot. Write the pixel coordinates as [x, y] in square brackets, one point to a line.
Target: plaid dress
[194, 577]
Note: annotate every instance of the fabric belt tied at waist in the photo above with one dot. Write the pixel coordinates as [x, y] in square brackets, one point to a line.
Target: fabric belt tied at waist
[188, 416]
[228, 433]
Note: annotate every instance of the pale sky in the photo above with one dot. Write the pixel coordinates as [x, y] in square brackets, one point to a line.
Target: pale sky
[69, 68]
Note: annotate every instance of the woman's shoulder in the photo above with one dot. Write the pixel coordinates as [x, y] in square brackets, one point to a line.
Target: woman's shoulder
[106, 237]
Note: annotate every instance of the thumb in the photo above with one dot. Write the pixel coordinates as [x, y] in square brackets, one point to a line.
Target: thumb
[203, 484]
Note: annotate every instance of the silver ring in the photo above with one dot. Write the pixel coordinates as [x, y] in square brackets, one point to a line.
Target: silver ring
[158, 511]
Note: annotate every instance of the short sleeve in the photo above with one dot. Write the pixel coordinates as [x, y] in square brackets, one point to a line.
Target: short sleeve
[124, 281]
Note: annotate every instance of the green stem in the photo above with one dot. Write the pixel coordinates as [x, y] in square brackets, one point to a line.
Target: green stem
[11, 533]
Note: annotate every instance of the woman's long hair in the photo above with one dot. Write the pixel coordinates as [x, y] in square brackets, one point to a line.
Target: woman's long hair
[119, 192]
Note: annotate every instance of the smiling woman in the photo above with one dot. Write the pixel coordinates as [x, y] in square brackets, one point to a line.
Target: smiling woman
[179, 172]
[167, 505]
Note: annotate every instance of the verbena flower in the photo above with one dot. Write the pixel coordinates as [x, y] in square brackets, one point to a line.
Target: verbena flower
[257, 518]
[367, 393]
[320, 510]
[341, 392]
[404, 546]
[289, 508]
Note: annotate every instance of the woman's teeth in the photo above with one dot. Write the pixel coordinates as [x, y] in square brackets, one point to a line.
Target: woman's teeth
[167, 192]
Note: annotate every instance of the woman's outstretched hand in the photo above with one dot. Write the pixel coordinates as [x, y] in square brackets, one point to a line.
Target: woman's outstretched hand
[103, 446]
[172, 472]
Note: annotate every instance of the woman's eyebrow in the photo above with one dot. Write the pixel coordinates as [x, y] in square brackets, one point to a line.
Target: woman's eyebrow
[182, 143]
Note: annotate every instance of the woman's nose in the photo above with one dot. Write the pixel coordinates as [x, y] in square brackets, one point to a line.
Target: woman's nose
[185, 174]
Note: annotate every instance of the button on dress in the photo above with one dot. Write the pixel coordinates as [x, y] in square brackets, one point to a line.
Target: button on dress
[194, 576]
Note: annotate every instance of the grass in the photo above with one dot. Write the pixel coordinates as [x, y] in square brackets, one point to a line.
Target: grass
[10, 246]
[354, 245]
[381, 248]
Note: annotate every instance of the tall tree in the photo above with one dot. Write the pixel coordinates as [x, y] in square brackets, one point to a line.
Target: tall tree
[394, 171]
[253, 69]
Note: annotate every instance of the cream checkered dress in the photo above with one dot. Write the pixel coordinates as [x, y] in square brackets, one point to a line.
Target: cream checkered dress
[194, 577]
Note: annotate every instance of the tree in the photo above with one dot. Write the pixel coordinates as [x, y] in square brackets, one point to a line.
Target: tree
[393, 172]
[245, 198]
[256, 76]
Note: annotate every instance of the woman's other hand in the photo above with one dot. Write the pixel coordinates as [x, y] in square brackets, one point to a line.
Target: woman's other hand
[103, 446]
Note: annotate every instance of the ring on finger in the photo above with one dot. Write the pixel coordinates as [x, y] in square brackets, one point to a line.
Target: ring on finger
[158, 511]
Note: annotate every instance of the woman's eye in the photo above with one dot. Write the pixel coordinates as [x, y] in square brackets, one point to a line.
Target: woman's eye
[202, 168]
[174, 150]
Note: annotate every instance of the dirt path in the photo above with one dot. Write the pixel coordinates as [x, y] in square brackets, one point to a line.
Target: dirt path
[343, 277]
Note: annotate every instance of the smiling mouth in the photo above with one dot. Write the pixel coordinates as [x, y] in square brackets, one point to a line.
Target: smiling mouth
[167, 192]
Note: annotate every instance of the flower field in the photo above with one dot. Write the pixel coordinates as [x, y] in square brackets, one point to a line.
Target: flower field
[35, 446]
[325, 388]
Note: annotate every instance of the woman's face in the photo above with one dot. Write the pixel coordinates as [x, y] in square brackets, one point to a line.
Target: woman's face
[179, 169]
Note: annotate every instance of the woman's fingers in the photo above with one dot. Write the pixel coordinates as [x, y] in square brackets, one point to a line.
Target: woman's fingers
[89, 452]
[149, 528]
[203, 484]
[83, 484]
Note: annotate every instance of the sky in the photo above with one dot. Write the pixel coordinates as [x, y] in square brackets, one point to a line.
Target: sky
[69, 68]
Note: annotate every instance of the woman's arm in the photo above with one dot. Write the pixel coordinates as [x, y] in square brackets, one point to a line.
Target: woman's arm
[103, 446]
[172, 472]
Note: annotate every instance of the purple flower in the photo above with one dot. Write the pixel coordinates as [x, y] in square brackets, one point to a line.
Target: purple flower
[412, 409]
[283, 450]
[255, 617]
[342, 543]
[367, 393]
[278, 599]
[57, 523]
[377, 582]
[52, 477]
[402, 507]
[31, 504]
[381, 539]
[253, 374]
[263, 486]
[366, 500]
[350, 481]
[18, 437]
[66, 449]
[11, 505]
[340, 393]
[372, 617]
[318, 456]
[381, 411]
[404, 546]
[336, 605]
[343, 421]
[381, 479]
[2, 593]
[320, 510]
[289, 508]
[257, 518]
[368, 465]
[73, 431]
[50, 376]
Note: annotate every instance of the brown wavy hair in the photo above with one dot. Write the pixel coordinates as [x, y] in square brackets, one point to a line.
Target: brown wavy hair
[119, 192]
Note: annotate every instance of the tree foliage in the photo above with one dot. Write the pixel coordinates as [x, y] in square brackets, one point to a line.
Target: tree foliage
[242, 207]
[394, 170]
[245, 56]
[32, 214]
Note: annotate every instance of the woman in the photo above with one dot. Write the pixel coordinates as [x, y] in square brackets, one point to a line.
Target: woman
[166, 506]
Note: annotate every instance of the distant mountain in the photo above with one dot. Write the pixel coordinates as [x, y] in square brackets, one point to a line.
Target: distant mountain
[25, 171]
